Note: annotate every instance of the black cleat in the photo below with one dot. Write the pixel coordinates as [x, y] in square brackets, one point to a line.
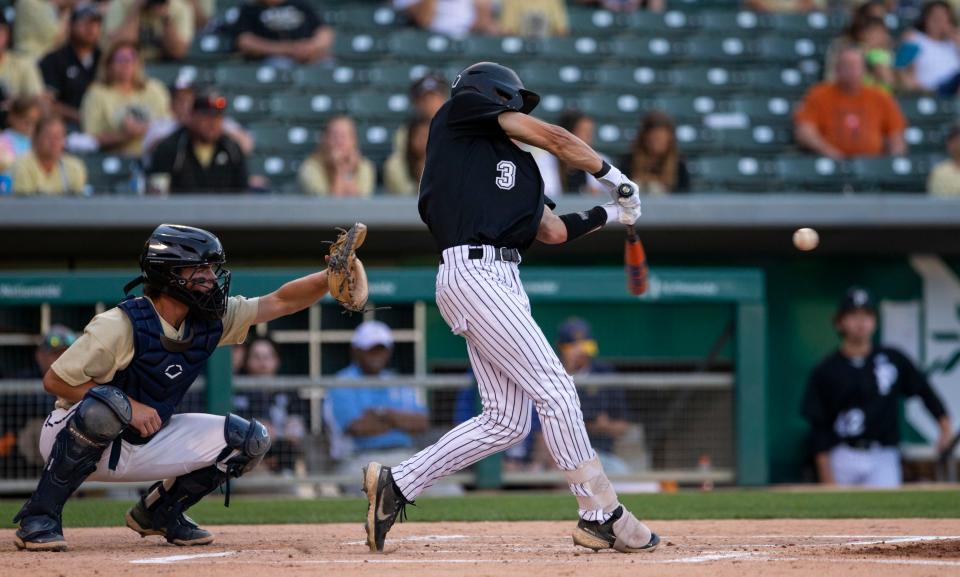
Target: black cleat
[182, 531]
[40, 533]
[387, 503]
[595, 535]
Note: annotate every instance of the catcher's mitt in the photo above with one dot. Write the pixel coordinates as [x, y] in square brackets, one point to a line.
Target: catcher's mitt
[346, 278]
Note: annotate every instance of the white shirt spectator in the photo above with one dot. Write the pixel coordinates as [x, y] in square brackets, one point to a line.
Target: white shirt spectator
[451, 17]
[936, 62]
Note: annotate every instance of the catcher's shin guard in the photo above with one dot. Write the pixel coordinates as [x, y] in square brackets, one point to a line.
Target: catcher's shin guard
[161, 510]
[100, 418]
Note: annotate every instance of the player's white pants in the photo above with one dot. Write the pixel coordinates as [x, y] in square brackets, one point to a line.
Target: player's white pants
[190, 441]
[877, 466]
[483, 301]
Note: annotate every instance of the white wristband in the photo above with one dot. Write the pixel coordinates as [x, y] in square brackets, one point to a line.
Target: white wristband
[613, 212]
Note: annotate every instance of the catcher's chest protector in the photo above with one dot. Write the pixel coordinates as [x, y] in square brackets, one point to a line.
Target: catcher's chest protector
[162, 369]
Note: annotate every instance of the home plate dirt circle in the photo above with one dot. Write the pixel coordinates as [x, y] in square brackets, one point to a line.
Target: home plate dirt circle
[869, 547]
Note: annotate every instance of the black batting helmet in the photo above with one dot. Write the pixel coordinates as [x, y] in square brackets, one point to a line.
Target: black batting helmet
[497, 83]
[172, 247]
[856, 298]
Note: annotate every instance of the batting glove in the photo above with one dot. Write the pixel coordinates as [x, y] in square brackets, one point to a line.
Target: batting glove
[623, 214]
[612, 179]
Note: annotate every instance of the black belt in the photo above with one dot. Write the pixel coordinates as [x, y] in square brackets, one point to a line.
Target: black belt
[500, 253]
[863, 443]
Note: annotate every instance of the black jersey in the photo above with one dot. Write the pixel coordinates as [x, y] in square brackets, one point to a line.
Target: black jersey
[856, 401]
[478, 187]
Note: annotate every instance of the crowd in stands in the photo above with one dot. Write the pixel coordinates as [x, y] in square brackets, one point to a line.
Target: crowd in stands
[74, 80]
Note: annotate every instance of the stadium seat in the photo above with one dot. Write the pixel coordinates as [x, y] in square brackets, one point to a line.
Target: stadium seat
[772, 49]
[765, 109]
[506, 49]
[758, 139]
[272, 138]
[362, 46]
[569, 76]
[594, 22]
[927, 110]
[397, 77]
[684, 108]
[614, 139]
[735, 173]
[782, 81]
[732, 50]
[812, 173]
[280, 170]
[670, 23]
[422, 46]
[246, 107]
[109, 174]
[891, 173]
[552, 105]
[169, 74]
[210, 48]
[738, 22]
[704, 80]
[647, 49]
[584, 49]
[364, 17]
[296, 107]
[376, 140]
[694, 139]
[338, 79]
[612, 106]
[376, 105]
[231, 77]
[820, 24]
[926, 139]
[633, 78]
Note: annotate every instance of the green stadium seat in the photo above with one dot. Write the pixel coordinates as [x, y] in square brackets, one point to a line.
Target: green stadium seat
[363, 17]
[296, 107]
[759, 139]
[362, 46]
[553, 105]
[735, 173]
[108, 173]
[926, 139]
[683, 108]
[594, 22]
[376, 105]
[337, 79]
[376, 140]
[612, 106]
[169, 74]
[633, 78]
[778, 80]
[732, 50]
[504, 49]
[247, 107]
[614, 139]
[773, 48]
[695, 6]
[812, 173]
[231, 77]
[694, 139]
[572, 49]
[738, 22]
[210, 47]
[670, 23]
[647, 49]
[891, 173]
[819, 24]
[764, 109]
[280, 170]
[927, 110]
[703, 80]
[570, 76]
[422, 46]
[272, 138]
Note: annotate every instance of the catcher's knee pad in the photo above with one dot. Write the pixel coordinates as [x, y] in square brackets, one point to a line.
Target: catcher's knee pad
[101, 417]
[247, 443]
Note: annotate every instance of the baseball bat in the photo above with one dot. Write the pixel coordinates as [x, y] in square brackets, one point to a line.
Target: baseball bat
[634, 257]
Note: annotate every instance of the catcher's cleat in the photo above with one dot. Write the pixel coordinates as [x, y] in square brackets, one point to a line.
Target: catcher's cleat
[387, 503]
[180, 530]
[595, 535]
[40, 533]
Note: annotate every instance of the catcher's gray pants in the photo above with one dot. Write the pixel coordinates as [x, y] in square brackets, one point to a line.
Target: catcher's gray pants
[483, 301]
[190, 441]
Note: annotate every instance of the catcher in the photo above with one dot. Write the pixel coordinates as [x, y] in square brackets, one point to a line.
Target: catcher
[118, 387]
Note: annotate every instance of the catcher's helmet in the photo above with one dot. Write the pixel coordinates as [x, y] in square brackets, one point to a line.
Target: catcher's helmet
[497, 83]
[172, 247]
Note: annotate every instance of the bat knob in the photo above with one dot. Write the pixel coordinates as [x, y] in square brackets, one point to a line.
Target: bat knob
[625, 190]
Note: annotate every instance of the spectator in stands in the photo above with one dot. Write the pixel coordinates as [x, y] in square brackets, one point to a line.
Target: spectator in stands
[287, 430]
[402, 170]
[46, 170]
[604, 408]
[456, 18]
[427, 95]
[785, 5]
[853, 399]
[41, 26]
[203, 11]
[21, 122]
[336, 167]
[284, 32]
[163, 29]
[120, 105]
[944, 179]
[871, 35]
[534, 18]
[199, 156]
[845, 118]
[19, 75]
[372, 423]
[929, 56]
[69, 71]
[557, 177]
[655, 162]
[182, 94]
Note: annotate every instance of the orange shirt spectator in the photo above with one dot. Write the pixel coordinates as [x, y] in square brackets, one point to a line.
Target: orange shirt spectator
[846, 118]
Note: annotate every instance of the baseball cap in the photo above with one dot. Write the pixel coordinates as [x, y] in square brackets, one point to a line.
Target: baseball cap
[576, 331]
[370, 334]
[856, 298]
[83, 11]
[209, 103]
[58, 337]
[427, 84]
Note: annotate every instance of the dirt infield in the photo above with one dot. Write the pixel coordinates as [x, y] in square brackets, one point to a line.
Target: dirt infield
[901, 548]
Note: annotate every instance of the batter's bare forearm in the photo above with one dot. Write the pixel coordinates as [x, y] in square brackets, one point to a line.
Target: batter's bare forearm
[557, 141]
[292, 297]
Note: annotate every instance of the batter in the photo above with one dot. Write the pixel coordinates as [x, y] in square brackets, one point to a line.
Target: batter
[482, 198]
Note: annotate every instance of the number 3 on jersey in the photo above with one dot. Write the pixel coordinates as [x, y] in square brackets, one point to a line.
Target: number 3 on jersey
[508, 173]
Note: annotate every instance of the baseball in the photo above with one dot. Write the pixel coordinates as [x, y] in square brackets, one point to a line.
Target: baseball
[806, 239]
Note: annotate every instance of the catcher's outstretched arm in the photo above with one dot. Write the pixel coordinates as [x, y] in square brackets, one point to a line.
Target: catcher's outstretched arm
[292, 297]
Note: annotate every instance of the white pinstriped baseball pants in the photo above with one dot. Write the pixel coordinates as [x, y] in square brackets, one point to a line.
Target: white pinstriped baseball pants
[515, 366]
